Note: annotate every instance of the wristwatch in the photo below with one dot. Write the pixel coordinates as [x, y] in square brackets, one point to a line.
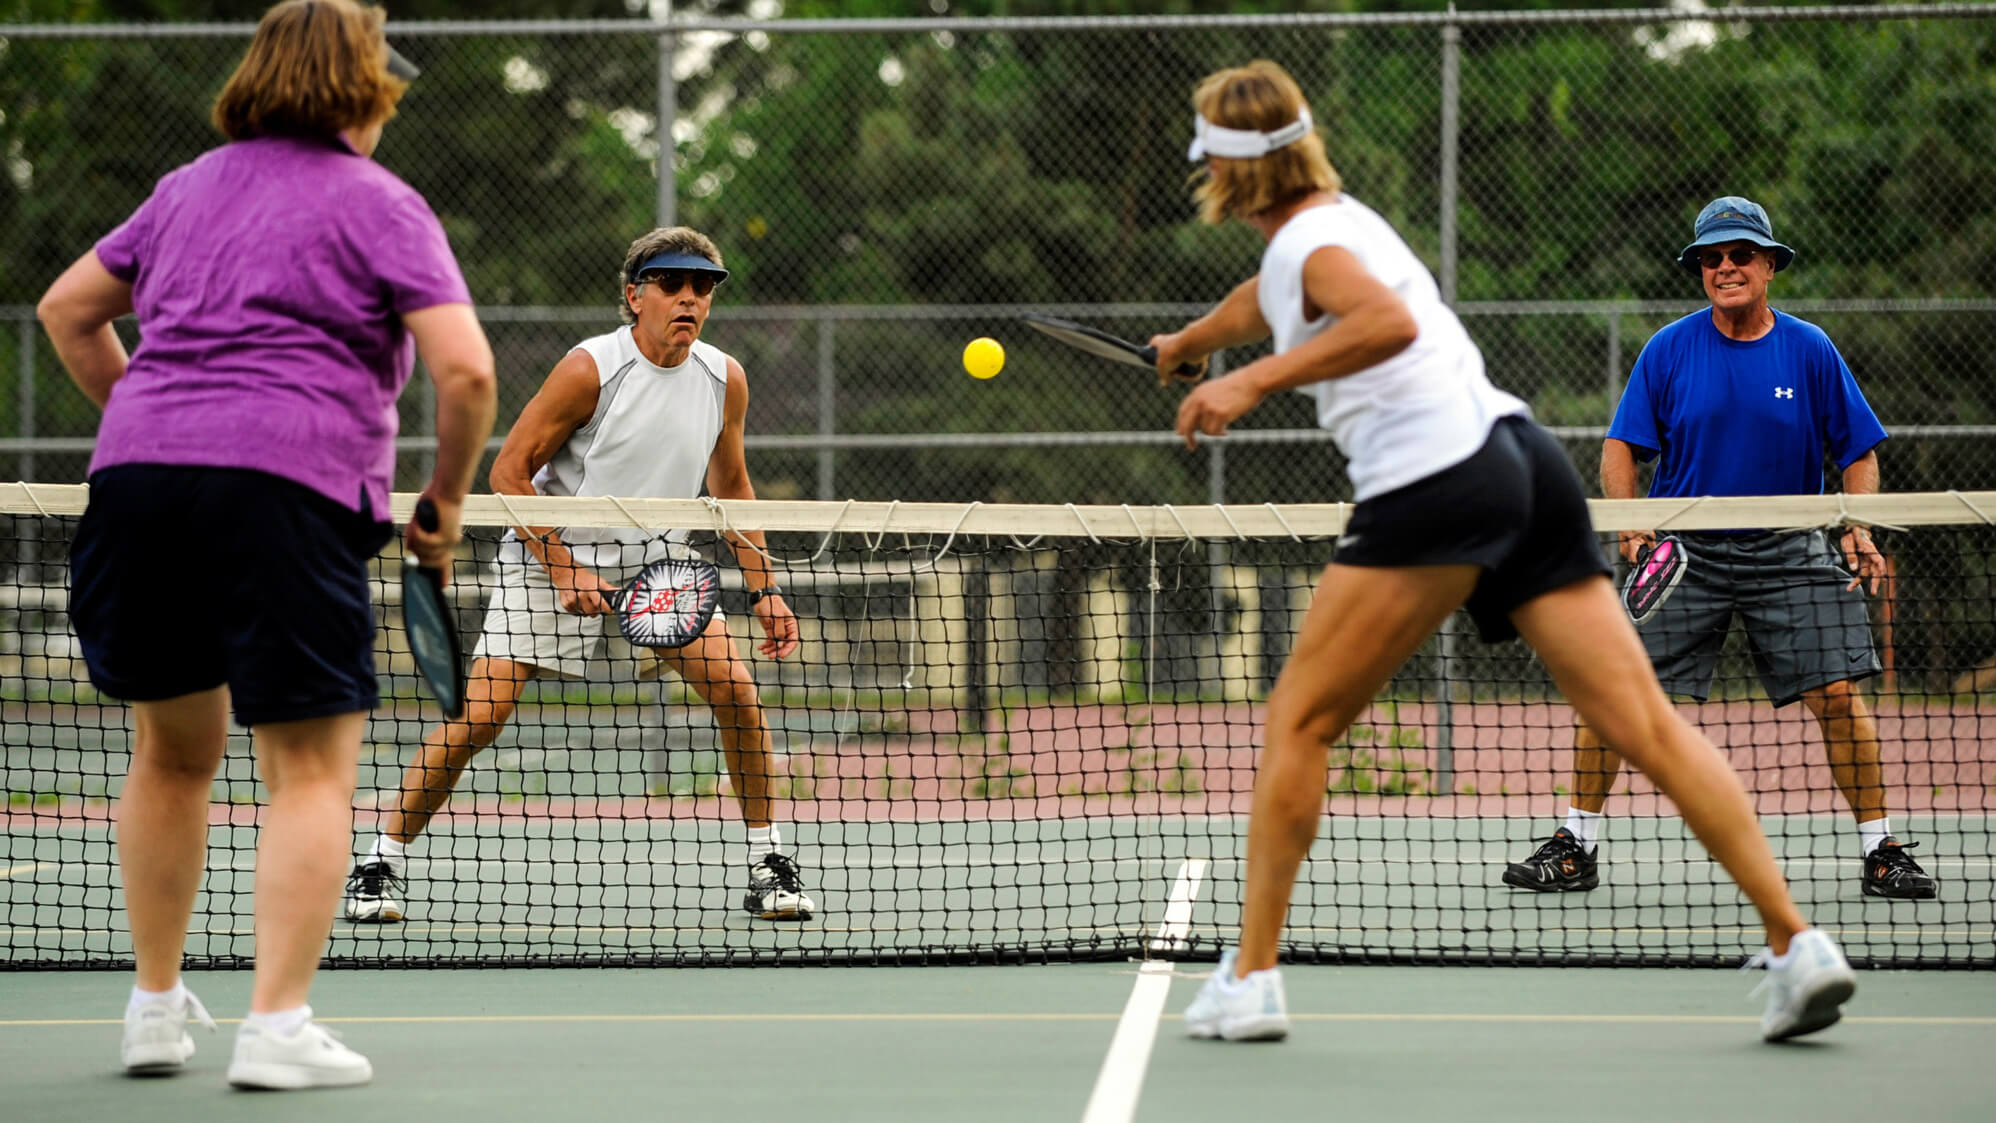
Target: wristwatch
[756, 595]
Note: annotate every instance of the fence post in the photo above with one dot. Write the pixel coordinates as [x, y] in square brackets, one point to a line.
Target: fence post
[668, 112]
[828, 394]
[1450, 170]
[1216, 451]
[24, 395]
[1614, 359]
[1451, 154]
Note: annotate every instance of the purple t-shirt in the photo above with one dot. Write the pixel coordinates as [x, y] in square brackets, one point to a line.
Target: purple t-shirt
[270, 278]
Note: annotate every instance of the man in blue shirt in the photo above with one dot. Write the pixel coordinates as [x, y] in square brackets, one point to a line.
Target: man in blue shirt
[1739, 399]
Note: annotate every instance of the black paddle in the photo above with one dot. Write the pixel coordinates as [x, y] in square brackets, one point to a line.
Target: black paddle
[433, 638]
[1114, 348]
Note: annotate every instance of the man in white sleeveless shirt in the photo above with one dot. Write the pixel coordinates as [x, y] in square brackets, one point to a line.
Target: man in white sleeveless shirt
[647, 410]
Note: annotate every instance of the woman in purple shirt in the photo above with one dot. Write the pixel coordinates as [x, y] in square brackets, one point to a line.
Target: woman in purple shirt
[239, 489]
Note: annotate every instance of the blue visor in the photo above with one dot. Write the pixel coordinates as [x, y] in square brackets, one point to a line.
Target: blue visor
[677, 259]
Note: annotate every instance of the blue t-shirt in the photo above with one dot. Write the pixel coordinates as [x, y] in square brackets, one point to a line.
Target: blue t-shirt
[1732, 418]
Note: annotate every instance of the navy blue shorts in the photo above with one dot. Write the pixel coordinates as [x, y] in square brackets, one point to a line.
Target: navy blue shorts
[184, 579]
[1514, 508]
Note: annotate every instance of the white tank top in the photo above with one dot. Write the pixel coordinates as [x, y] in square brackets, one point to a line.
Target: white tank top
[1427, 408]
[652, 434]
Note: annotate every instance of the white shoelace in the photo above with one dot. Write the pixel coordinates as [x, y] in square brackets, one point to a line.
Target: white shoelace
[1762, 959]
[194, 1011]
[200, 1013]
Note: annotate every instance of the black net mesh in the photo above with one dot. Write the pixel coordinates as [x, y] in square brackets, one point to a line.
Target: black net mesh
[998, 747]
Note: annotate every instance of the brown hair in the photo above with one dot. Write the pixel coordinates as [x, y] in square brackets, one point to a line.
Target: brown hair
[1260, 96]
[315, 68]
[680, 239]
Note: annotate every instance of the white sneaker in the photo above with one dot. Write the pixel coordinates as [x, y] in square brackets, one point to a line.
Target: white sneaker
[156, 1037]
[371, 893]
[776, 890]
[1805, 991]
[311, 1058]
[1249, 1009]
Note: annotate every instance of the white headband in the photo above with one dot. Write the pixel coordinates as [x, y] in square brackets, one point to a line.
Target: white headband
[1209, 139]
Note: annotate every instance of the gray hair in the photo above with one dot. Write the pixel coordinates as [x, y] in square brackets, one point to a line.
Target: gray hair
[683, 239]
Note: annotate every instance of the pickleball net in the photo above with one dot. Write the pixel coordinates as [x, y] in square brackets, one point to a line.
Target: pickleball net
[1029, 733]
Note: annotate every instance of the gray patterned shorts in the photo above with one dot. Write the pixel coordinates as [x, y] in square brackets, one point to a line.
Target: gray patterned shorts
[1804, 628]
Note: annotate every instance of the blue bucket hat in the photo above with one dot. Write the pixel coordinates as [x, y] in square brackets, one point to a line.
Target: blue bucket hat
[1733, 219]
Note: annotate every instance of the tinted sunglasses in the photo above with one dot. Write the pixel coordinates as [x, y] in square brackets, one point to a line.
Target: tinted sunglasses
[670, 281]
[1741, 256]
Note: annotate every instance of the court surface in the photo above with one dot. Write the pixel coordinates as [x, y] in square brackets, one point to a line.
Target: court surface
[1029, 1043]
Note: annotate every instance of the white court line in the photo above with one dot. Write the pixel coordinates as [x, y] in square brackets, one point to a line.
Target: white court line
[29, 868]
[1121, 1080]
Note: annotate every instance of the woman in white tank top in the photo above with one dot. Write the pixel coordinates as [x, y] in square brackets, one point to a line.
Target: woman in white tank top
[1462, 502]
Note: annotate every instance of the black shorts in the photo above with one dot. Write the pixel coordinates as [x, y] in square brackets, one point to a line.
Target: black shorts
[183, 579]
[1515, 508]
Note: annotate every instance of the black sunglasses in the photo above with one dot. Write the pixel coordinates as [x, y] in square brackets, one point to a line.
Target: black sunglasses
[1741, 256]
[670, 281]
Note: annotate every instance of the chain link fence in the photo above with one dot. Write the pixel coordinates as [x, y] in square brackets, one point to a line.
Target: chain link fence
[886, 190]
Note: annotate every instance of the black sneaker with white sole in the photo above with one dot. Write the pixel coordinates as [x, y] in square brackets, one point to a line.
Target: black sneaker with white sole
[373, 893]
[1562, 865]
[1891, 872]
[776, 890]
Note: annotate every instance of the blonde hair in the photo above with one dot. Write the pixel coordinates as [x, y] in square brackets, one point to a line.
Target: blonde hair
[1261, 97]
[315, 68]
[678, 239]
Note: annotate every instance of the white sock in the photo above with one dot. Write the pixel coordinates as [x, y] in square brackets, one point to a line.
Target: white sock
[390, 851]
[764, 840]
[1871, 835]
[1585, 827]
[283, 1023]
[177, 996]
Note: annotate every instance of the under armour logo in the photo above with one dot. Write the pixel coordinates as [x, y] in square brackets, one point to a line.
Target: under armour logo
[1784, 391]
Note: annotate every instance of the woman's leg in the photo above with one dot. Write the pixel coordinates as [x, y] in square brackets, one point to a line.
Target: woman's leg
[301, 857]
[1361, 626]
[1592, 650]
[163, 824]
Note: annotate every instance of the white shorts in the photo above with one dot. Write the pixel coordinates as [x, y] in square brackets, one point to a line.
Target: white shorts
[524, 623]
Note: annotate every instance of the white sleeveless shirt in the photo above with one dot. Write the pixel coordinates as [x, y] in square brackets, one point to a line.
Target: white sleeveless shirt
[652, 434]
[1425, 409]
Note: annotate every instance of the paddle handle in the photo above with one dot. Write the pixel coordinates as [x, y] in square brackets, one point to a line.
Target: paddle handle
[427, 519]
[1185, 370]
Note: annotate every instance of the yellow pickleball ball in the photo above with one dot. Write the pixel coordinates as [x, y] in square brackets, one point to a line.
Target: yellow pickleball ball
[983, 358]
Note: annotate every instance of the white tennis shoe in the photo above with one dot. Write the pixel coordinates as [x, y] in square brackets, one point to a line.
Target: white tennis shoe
[1249, 1009]
[313, 1057]
[156, 1038]
[1805, 992]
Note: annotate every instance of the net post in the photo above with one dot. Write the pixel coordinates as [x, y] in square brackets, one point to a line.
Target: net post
[974, 715]
[1445, 706]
